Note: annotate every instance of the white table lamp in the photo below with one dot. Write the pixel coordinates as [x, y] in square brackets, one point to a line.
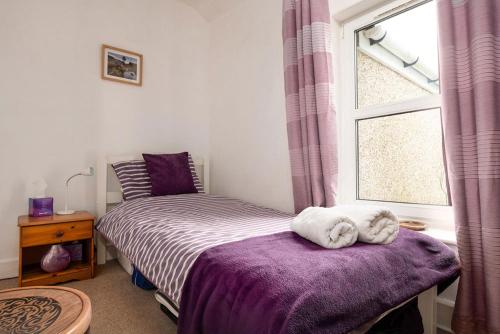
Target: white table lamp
[89, 171]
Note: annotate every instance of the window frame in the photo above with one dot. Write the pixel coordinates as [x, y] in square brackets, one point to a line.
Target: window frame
[437, 216]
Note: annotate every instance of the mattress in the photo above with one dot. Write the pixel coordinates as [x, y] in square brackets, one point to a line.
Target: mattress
[163, 236]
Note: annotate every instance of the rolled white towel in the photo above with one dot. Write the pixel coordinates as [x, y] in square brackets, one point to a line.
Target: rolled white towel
[376, 224]
[326, 227]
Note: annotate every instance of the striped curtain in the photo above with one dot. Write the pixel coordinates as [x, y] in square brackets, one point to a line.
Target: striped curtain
[309, 102]
[470, 75]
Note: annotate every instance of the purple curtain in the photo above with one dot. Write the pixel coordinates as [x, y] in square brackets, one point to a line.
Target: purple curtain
[309, 102]
[469, 34]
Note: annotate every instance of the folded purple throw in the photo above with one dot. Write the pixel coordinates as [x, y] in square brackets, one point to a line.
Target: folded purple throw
[282, 283]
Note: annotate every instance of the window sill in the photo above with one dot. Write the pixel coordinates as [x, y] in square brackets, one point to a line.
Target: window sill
[446, 236]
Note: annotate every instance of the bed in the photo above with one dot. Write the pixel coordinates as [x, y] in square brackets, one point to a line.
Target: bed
[174, 239]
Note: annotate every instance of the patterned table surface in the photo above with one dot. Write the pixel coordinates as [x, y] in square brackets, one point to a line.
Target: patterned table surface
[45, 310]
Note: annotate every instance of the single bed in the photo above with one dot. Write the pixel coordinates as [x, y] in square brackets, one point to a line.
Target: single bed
[165, 236]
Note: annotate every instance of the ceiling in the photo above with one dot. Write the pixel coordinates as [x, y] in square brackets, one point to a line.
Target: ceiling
[211, 9]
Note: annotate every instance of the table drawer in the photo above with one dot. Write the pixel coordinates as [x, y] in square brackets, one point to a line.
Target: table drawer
[55, 233]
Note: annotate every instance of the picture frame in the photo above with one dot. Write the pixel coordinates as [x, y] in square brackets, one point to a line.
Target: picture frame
[121, 65]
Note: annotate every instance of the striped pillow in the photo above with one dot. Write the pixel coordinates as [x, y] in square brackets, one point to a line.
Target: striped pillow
[196, 179]
[135, 180]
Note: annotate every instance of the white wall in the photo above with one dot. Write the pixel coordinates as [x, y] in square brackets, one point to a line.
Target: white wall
[248, 144]
[248, 140]
[56, 114]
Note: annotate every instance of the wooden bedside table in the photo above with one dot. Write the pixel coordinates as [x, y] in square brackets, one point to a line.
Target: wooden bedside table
[37, 234]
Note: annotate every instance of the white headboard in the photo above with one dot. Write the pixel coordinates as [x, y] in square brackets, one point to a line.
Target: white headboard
[108, 187]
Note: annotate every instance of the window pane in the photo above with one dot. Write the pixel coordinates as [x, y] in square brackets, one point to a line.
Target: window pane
[400, 158]
[397, 59]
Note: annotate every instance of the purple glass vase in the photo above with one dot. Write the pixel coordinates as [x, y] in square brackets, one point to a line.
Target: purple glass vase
[56, 259]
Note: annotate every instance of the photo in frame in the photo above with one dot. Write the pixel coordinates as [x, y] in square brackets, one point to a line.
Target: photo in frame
[121, 65]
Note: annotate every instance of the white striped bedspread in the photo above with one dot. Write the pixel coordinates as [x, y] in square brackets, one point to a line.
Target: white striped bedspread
[163, 236]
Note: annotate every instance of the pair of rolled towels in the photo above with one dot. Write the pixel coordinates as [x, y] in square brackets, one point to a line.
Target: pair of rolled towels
[343, 225]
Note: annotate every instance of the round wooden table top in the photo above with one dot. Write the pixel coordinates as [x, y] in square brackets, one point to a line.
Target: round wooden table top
[44, 309]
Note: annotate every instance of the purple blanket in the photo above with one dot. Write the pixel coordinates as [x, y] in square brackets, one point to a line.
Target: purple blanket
[282, 283]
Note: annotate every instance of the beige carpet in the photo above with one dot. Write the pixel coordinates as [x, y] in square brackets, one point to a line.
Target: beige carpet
[117, 305]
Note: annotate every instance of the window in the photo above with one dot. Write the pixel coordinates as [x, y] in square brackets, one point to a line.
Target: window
[400, 158]
[391, 137]
[397, 58]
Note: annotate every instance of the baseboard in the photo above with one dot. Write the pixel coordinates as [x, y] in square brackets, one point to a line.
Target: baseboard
[9, 268]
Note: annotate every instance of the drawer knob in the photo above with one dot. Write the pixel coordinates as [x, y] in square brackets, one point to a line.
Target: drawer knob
[59, 234]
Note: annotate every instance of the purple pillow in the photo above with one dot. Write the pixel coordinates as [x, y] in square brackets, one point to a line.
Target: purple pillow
[170, 174]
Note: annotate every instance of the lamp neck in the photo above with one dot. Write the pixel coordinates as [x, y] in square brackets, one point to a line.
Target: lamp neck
[71, 177]
[66, 197]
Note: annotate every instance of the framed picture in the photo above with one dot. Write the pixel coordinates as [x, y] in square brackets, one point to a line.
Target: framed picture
[121, 65]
